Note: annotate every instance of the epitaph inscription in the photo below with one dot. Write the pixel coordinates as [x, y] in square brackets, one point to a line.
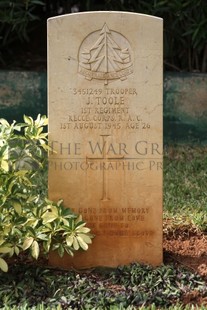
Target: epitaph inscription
[105, 124]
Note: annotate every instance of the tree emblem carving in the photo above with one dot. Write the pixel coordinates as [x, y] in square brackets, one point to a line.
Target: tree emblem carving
[105, 55]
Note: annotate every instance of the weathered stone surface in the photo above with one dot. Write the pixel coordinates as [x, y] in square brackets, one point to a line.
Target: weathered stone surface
[105, 124]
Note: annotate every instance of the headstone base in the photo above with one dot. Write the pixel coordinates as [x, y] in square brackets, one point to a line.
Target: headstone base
[100, 253]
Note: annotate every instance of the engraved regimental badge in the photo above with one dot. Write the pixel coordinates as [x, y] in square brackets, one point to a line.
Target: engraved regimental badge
[105, 55]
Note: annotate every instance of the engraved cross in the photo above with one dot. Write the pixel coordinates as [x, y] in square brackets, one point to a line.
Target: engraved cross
[104, 158]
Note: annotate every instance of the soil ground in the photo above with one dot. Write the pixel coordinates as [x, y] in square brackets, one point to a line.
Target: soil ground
[186, 245]
[187, 248]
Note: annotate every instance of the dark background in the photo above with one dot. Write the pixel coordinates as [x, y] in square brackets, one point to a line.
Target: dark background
[23, 30]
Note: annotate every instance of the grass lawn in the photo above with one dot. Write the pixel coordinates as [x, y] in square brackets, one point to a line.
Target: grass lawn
[185, 185]
[35, 286]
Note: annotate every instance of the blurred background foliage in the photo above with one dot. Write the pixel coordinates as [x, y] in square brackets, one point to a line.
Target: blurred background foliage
[185, 26]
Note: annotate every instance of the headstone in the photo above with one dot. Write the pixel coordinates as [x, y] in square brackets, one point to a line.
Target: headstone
[105, 123]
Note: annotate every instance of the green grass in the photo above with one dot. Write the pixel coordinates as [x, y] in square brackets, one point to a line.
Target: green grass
[185, 185]
[130, 287]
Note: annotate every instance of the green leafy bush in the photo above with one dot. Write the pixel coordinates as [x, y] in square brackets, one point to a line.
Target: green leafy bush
[28, 220]
[15, 19]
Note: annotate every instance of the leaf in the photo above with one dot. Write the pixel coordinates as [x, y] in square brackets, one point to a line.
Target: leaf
[83, 230]
[42, 236]
[11, 253]
[44, 120]
[39, 131]
[59, 203]
[69, 240]
[65, 221]
[17, 207]
[54, 210]
[82, 243]
[3, 265]
[16, 250]
[5, 165]
[5, 250]
[85, 238]
[28, 120]
[35, 250]
[32, 222]
[79, 226]
[61, 250]
[47, 244]
[75, 244]
[37, 120]
[68, 250]
[4, 122]
[48, 217]
[18, 127]
[31, 230]
[27, 243]
[79, 218]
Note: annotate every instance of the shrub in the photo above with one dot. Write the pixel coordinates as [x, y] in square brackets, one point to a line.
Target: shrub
[28, 220]
[15, 19]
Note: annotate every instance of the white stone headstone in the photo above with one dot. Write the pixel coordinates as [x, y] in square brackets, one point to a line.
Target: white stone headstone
[105, 84]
